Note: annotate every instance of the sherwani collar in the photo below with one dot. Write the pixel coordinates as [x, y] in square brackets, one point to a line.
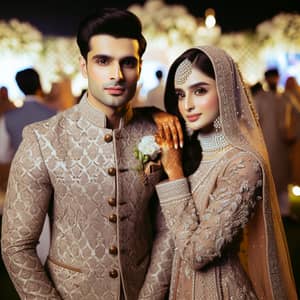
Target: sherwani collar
[97, 117]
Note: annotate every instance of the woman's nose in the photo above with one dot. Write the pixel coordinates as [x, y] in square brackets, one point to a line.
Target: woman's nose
[189, 103]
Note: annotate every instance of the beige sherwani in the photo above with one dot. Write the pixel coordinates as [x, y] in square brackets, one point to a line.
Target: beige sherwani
[109, 239]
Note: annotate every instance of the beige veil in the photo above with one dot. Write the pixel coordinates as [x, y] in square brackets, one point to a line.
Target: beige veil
[267, 254]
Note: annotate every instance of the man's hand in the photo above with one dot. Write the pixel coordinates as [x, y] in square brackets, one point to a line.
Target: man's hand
[169, 129]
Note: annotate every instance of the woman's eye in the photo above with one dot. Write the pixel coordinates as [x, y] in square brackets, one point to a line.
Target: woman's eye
[200, 91]
[179, 94]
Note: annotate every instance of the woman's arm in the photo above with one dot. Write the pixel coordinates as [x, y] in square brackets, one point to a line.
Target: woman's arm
[199, 240]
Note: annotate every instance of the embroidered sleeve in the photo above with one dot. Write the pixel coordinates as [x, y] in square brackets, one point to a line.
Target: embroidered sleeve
[200, 240]
[26, 204]
[158, 277]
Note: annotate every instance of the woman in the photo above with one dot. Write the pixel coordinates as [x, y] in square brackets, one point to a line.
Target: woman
[292, 125]
[224, 217]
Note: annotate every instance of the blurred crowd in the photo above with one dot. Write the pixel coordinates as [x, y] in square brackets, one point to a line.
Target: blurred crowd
[37, 105]
[279, 117]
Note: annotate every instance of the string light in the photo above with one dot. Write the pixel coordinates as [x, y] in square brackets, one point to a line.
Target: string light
[296, 190]
[210, 20]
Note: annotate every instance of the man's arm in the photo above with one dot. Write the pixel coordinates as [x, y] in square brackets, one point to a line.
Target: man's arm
[158, 277]
[6, 151]
[28, 194]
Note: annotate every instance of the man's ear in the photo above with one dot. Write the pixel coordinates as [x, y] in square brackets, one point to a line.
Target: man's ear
[83, 66]
[140, 67]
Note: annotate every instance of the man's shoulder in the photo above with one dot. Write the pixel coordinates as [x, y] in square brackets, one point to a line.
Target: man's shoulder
[141, 122]
[143, 115]
[55, 122]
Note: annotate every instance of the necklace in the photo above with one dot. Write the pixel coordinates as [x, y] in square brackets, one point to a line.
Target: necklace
[215, 141]
[213, 145]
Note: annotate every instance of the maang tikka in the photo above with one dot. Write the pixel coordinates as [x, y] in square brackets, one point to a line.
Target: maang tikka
[183, 71]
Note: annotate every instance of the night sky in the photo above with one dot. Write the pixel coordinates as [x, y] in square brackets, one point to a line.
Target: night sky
[62, 17]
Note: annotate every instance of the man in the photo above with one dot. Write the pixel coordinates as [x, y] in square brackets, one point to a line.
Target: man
[155, 96]
[12, 124]
[104, 244]
[33, 110]
[270, 108]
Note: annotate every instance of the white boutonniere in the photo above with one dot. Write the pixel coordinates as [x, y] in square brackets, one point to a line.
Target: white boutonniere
[146, 150]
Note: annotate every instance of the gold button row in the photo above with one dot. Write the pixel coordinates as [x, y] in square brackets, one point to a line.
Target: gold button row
[113, 273]
[108, 138]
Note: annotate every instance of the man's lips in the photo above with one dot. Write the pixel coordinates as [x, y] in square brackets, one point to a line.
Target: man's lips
[193, 118]
[115, 90]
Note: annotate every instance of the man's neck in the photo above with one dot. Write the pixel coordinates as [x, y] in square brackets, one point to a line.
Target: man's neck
[113, 121]
[113, 114]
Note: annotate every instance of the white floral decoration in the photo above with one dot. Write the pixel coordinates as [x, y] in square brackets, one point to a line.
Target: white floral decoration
[146, 150]
[174, 23]
[283, 28]
[20, 37]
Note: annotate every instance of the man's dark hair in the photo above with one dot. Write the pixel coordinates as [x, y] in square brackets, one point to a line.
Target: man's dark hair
[28, 81]
[159, 74]
[272, 72]
[112, 21]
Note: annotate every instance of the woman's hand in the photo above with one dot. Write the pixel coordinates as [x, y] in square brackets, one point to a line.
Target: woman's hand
[171, 159]
[169, 128]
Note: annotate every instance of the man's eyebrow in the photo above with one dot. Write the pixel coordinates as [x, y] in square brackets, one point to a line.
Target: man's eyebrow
[97, 56]
[129, 57]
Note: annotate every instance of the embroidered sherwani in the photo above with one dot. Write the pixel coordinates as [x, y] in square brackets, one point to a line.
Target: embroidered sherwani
[207, 222]
[109, 239]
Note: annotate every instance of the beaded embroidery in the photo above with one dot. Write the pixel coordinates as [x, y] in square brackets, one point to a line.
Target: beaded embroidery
[183, 71]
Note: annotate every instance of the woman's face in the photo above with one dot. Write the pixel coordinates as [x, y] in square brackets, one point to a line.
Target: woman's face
[198, 100]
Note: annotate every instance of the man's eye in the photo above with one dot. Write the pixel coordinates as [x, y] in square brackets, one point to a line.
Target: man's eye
[129, 63]
[101, 61]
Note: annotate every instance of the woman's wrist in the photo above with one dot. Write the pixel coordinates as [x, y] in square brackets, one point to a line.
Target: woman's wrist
[176, 174]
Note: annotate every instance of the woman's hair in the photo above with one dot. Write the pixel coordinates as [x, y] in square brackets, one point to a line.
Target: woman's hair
[191, 150]
[112, 21]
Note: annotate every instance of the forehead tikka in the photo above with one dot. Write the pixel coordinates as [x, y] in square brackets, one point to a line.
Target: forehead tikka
[183, 71]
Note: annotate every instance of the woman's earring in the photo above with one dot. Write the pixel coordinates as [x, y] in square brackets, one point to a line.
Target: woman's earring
[217, 124]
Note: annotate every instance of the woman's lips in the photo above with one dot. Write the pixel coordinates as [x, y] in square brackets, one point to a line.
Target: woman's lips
[193, 118]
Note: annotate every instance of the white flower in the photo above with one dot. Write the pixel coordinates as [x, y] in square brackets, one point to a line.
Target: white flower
[149, 147]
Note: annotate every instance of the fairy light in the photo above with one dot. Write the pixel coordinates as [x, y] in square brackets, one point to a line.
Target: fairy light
[296, 190]
[210, 20]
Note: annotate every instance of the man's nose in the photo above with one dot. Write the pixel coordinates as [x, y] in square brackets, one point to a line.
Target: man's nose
[116, 72]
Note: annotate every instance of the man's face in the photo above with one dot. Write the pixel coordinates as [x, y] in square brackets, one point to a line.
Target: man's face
[272, 81]
[112, 68]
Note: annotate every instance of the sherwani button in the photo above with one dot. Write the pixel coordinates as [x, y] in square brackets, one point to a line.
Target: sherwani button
[113, 273]
[113, 218]
[108, 138]
[111, 171]
[112, 201]
[113, 250]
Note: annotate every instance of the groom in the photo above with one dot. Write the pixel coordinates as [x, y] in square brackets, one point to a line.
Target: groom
[109, 239]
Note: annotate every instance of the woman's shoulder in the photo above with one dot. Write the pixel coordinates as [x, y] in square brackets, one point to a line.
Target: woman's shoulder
[242, 161]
